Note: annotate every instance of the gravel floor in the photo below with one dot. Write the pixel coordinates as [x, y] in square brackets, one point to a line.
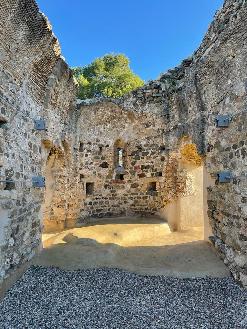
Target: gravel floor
[109, 298]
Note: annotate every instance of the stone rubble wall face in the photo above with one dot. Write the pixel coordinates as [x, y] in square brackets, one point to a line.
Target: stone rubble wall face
[212, 82]
[34, 83]
[99, 127]
[220, 87]
[154, 121]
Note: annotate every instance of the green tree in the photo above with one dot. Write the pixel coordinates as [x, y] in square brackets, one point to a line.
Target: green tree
[107, 76]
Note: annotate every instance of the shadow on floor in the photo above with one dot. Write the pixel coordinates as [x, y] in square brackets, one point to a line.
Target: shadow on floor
[185, 260]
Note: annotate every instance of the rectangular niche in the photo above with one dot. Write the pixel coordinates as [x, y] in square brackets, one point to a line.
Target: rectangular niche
[89, 188]
[3, 122]
[9, 185]
[81, 147]
[119, 176]
[152, 187]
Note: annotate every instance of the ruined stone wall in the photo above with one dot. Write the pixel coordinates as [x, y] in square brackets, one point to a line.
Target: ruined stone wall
[35, 83]
[102, 128]
[210, 83]
[166, 129]
[222, 81]
[215, 84]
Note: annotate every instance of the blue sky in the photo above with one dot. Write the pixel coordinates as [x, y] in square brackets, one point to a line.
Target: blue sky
[155, 34]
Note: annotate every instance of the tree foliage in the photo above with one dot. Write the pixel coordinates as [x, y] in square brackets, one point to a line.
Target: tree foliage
[107, 76]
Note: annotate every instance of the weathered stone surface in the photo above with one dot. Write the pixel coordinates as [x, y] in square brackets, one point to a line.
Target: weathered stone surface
[165, 131]
[108, 127]
[34, 83]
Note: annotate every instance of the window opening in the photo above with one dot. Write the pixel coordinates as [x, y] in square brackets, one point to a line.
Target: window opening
[89, 188]
[81, 147]
[120, 157]
[2, 122]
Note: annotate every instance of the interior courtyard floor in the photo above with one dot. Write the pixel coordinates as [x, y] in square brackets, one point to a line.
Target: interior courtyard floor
[125, 273]
[140, 245]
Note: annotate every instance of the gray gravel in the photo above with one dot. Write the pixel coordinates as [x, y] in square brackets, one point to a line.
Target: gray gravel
[110, 298]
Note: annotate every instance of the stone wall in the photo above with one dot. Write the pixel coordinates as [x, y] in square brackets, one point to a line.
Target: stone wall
[152, 175]
[35, 83]
[163, 133]
[133, 188]
[215, 84]
[210, 83]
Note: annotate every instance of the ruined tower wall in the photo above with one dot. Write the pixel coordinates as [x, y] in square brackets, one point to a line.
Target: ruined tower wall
[210, 83]
[35, 83]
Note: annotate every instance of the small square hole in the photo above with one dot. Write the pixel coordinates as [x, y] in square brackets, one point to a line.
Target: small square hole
[10, 185]
[119, 176]
[3, 122]
[89, 188]
[152, 187]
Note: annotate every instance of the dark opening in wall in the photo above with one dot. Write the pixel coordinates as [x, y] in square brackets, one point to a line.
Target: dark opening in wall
[81, 147]
[152, 187]
[89, 188]
[159, 174]
[9, 185]
[162, 148]
[104, 164]
[3, 122]
[120, 176]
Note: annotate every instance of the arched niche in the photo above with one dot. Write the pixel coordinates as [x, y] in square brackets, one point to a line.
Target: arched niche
[187, 208]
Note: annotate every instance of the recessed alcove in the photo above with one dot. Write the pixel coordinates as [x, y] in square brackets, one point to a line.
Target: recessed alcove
[89, 188]
[152, 187]
[81, 147]
[3, 122]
